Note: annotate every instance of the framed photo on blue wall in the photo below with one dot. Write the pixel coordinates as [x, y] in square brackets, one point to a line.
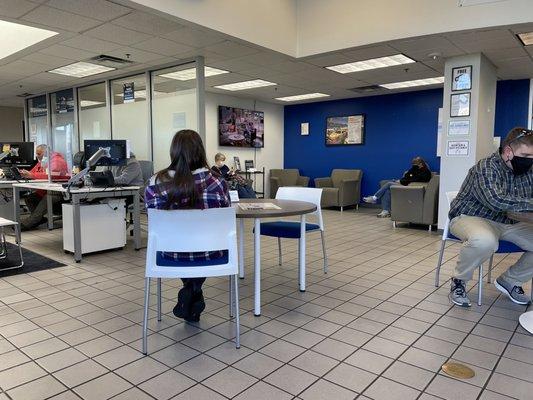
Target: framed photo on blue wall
[345, 130]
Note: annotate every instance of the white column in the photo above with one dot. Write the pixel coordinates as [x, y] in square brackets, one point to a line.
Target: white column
[453, 168]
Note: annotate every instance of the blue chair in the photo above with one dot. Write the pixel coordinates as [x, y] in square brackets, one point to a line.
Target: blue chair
[291, 229]
[504, 247]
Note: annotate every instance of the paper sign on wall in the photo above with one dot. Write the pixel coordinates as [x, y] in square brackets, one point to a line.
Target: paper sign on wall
[304, 128]
[128, 92]
[459, 127]
[439, 132]
[457, 148]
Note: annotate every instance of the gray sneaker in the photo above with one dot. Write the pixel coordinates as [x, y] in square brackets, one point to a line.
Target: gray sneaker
[458, 293]
[515, 293]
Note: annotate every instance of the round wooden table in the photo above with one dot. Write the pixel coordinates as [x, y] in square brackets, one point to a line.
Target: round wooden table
[287, 208]
[526, 319]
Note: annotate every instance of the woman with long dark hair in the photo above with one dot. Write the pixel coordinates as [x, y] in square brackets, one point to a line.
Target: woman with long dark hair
[187, 183]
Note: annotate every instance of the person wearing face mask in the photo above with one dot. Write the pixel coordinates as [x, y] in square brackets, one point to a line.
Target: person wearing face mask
[419, 172]
[496, 185]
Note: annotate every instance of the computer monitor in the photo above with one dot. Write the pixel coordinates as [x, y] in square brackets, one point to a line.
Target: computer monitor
[118, 151]
[17, 154]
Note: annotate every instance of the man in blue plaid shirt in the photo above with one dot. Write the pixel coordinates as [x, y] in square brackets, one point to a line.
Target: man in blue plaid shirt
[496, 185]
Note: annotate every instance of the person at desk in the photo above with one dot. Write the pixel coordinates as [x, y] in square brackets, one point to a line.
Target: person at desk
[129, 174]
[36, 201]
[188, 183]
[496, 185]
[220, 166]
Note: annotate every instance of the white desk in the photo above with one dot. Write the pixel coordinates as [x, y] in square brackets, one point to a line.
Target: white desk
[76, 195]
[6, 209]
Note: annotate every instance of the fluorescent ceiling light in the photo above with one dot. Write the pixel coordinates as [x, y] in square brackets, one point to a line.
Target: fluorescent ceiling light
[373, 63]
[418, 82]
[526, 38]
[90, 103]
[256, 83]
[190, 73]
[302, 97]
[81, 69]
[18, 37]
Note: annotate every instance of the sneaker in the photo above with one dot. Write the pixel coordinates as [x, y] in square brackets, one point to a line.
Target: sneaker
[458, 293]
[515, 293]
[383, 214]
[370, 199]
[197, 306]
[182, 309]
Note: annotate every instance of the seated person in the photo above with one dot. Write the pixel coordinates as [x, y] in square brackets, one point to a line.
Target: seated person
[220, 167]
[188, 183]
[478, 216]
[419, 172]
[36, 201]
[129, 174]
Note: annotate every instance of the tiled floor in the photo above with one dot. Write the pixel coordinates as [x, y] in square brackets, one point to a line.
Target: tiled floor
[374, 327]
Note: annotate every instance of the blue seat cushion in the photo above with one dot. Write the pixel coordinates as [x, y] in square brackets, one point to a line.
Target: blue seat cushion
[504, 246]
[167, 262]
[285, 229]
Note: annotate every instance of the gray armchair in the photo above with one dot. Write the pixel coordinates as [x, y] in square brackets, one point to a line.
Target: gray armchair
[342, 189]
[417, 203]
[286, 177]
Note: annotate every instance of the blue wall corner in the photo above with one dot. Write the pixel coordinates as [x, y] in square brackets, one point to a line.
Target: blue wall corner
[398, 127]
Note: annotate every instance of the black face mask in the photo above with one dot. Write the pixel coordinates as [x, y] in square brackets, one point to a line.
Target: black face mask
[521, 165]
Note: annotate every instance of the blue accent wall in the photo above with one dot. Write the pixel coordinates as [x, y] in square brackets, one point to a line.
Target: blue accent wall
[398, 127]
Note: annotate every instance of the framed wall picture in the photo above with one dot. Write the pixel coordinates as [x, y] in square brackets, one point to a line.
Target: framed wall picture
[460, 105]
[462, 78]
[345, 131]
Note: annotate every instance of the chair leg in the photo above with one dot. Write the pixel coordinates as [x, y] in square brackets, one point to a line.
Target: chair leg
[429, 229]
[237, 317]
[3, 253]
[231, 296]
[480, 285]
[531, 294]
[324, 252]
[342, 208]
[145, 316]
[489, 272]
[439, 262]
[17, 236]
[394, 224]
[357, 207]
[159, 299]
[279, 252]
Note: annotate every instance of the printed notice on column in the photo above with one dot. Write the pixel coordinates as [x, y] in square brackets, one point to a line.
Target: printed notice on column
[458, 148]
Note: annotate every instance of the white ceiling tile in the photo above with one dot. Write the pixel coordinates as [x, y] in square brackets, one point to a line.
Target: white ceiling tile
[98, 9]
[48, 60]
[23, 68]
[327, 60]
[289, 67]
[496, 55]
[366, 53]
[234, 65]
[163, 46]
[480, 40]
[15, 8]
[68, 52]
[147, 23]
[93, 45]
[136, 55]
[193, 37]
[231, 49]
[58, 19]
[117, 34]
[264, 58]
[225, 78]
[521, 63]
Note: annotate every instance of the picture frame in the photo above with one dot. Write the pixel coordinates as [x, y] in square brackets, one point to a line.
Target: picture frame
[460, 105]
[347, 130]
[462, 78]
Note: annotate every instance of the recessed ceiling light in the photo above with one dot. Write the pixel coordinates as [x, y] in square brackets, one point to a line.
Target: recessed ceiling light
[526, 38]
[190, 73]
[256, 83]
[302, 97]
[418, 82]
[81, 69]
[17, 37]
[373, 63]
[90, 103]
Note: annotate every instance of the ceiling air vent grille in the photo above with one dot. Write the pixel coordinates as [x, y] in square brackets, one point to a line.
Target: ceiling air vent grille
[366, 89]
[110, 61]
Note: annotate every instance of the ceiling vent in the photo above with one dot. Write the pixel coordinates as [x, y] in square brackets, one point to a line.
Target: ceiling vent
[25, 94]
[110, 61]
[366, 89]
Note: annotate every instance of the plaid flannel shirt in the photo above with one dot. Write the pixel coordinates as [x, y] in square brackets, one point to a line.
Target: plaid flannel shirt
[491, 189]
[214, 194]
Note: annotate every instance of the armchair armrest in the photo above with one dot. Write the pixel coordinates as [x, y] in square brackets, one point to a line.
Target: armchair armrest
[407, 203]
[303, 181]
[274, 186]
[323, 182]
[349, 192]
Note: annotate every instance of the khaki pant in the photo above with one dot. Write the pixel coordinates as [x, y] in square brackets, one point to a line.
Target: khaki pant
[480, 238]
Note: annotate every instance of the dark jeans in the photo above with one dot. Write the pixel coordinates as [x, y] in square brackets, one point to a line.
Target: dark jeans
[196, 283]
[38, 208]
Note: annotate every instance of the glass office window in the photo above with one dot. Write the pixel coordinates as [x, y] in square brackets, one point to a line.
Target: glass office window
[174, 107]
[37, 120]
[129, 114]
[93, 114]
[64, 133]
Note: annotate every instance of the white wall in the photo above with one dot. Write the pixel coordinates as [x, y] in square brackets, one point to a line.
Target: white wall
[270, 156]
[94, 124]
[130, 122]
[11, 123]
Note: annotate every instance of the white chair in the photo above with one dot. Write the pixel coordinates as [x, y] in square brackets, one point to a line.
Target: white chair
[3, 244]
[184, 231]
[291, 229]
[504, 247]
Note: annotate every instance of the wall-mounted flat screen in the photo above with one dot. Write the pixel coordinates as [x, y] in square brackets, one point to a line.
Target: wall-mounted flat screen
[238, 127]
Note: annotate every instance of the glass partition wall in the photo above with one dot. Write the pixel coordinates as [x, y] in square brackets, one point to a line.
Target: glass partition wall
[93, 113]
[64, 132]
